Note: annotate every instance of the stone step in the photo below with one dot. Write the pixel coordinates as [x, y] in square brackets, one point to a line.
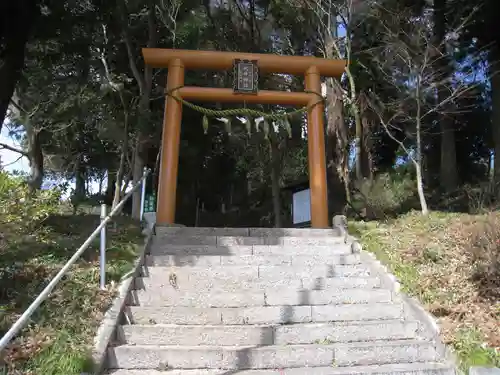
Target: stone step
[258, 272]
[273, 297]
[250, 260]
[222, 241]
[303, 271]
[320, 283]
[248, 232]
[200, 231]
[190, 251]
[242, 283]
[302, 260]
[246, 335]
[329, 333]
[271, 357]
[262, 314]
[426, 368]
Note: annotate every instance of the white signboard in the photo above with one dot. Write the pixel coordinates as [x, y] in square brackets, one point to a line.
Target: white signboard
[301, 206]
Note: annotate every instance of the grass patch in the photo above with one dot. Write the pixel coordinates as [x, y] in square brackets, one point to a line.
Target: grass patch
[60, 335]
[450, 262]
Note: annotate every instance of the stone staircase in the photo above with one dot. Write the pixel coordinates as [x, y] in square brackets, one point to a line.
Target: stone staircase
[221, 301]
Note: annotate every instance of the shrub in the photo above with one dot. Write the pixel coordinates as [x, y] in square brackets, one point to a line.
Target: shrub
[22, 211]
[387, 195]
[485, 256]
[480, 198]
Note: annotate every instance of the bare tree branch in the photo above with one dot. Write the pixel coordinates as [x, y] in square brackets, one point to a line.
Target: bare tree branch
[14, 149]
[122, 9]
[152, 38]
[12, 162]
[168, 16]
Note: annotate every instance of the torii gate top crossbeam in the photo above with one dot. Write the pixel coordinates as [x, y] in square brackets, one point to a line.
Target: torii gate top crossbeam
[217, 60]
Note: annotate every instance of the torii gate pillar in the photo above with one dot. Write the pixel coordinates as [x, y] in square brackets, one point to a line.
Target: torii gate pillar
[311, 67]
[171, 137]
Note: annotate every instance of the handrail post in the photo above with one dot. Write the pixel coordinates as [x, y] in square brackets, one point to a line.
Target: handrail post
[102, 259]
[143, 194]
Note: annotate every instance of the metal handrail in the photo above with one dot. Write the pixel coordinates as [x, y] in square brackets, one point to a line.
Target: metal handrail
[23, 319]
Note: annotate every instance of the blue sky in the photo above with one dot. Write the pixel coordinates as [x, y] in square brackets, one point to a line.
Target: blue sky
[8, 157]
[11, 160]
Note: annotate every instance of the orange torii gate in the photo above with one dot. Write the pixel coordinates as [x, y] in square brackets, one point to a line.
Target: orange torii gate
[247, 91]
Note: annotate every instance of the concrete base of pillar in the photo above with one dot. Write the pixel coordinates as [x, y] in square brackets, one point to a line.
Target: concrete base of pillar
[150, 219]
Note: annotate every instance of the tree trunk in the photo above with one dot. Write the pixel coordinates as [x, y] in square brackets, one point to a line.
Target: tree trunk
[420, 188]
[126, 182]
[137, 171]
[123, 159]
[359, 126]
[110, 183]
[417, 160]
[491, 176]
[35, 157]
[80, 183]
[79, 193]
[144, 81]
[141, 140]
[448, 165]
[495, 114]
[275, 181]
[87, 185]
[367, 123]
[336, 132]
[138, 157]
[249, 184]
[119, 179]
[17, 19]
[366, 156]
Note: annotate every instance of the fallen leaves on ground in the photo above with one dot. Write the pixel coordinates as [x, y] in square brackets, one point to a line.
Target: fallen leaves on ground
[451, 263]
[60, 335]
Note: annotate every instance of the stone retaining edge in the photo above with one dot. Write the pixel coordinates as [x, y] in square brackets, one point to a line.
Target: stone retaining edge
[476, 370]
[111, 320]
[411, 306]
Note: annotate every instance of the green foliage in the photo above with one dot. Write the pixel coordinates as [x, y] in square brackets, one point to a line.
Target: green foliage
[22, 210]
[36, 240]
[473, 351]
[387, 195]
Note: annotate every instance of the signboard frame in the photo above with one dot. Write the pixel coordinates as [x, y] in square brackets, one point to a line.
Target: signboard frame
[301, 207]
[245, 76]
